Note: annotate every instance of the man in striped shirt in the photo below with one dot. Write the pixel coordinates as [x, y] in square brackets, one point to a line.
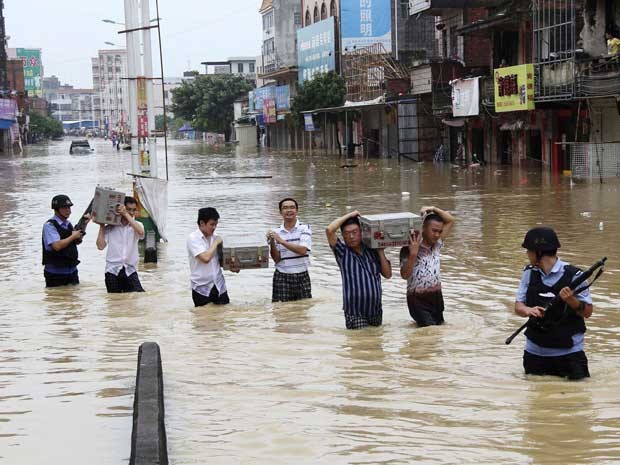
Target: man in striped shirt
[361, 269]
[289, 246]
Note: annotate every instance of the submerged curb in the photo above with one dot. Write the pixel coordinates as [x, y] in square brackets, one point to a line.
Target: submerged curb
[148, 437]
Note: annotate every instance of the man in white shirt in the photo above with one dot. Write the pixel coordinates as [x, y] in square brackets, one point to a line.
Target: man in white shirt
[289, 246]
[207, 279]
[121, 274]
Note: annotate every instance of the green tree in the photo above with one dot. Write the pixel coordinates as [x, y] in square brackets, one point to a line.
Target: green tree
[324, 91]
[207, 101]
[44, 127]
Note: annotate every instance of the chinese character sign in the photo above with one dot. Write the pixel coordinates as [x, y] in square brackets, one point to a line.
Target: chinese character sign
[8, 109]
[33, 69]
[316, 49]
[364, 23]
[269, 111]
[514, 88]
[282, 97]
[261, 94]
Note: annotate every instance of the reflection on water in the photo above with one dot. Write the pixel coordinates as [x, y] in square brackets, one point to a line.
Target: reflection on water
[256, 382]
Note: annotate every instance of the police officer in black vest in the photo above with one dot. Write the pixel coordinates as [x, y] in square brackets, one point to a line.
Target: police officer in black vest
[554, 338]
[60, 241]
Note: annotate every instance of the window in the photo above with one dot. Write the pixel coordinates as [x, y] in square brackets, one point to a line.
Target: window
[268, 21]
[308, 19]
[404, 9]
[316, 14]
[240, 67]
[323, 11]
[332, 8]
[297, 18]
[252, 67]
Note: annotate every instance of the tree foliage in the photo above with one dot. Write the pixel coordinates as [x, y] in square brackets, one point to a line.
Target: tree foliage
[324, 91]
[207, 101]
[44, 127]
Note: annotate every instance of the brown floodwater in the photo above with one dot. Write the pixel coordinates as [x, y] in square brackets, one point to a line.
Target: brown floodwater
[258, 383]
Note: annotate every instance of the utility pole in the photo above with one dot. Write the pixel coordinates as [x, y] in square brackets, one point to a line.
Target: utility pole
[3, 71]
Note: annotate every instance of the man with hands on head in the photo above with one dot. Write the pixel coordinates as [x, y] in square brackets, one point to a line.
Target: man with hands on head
[207, 279]
[420, 266]
[121, 274]
[361, 269]
[289, 246]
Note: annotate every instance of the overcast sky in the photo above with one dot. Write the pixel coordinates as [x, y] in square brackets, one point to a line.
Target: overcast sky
[70, 32]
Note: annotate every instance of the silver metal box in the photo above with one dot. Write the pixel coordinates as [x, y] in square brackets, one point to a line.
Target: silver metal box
[105, 203]
[247, 251]
[389, 229]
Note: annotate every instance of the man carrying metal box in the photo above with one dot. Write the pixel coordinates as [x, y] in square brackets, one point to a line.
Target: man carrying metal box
[207, 279]
[361, 269]
[420, 266]
[289, 247]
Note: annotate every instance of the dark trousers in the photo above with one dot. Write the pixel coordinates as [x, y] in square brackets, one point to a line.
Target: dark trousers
[572, 366]
[122, 282]
[214, 297]
[56, 280]
[426, 308]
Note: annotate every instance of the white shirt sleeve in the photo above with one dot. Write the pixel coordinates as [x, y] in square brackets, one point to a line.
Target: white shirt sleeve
[196, 246]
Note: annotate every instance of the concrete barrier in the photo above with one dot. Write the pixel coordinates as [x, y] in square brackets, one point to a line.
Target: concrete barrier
[148, 437]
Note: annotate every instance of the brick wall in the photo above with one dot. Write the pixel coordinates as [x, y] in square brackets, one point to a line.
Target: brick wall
[477, 45]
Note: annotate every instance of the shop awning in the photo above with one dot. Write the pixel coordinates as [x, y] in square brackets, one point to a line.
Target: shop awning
[454, 123]
[500, 19]
[6, 123]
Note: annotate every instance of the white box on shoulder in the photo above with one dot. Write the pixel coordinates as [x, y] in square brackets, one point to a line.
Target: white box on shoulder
[389, 229]
[247, 251]
[104, 205]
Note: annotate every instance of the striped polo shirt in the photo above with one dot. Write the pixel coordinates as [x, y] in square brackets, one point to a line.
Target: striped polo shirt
[290, 262]
[361, 280]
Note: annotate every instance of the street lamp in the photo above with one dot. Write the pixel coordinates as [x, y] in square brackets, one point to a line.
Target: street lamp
[110, 43]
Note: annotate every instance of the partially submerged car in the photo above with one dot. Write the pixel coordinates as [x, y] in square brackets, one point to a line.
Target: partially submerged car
[80, 146]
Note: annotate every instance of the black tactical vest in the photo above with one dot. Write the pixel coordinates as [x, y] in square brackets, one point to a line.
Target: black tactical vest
[556, 328]
[65, 258]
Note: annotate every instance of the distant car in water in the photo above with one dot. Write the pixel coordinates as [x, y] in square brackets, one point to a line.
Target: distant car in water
[80, 146]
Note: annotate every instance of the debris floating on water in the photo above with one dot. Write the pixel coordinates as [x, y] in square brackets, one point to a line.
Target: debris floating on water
[586, 214]
[404, 194]
[600, 226]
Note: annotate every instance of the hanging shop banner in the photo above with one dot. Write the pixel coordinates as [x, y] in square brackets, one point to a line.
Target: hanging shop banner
[308, 123]
[465, 97]
[364, 23]
[316, 51]
[33, 70]
[514, 88]
[261, 94]
[143, 126]
[269, 110]
[283, 94]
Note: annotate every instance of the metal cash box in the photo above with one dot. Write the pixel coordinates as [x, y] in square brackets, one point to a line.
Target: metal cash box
[246, 250]
[104, 205]
[389, 229]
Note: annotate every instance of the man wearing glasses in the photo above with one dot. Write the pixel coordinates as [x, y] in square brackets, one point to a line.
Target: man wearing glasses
[121, 273]
[289, 247]
[361, 269]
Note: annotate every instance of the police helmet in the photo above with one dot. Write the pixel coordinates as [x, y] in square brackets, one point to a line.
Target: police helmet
[60, 201]
[541, 239]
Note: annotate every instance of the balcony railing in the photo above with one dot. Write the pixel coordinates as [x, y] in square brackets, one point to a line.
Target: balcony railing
[599, 78]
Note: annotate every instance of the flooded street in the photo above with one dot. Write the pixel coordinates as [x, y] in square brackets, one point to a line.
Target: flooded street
[261, 383]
